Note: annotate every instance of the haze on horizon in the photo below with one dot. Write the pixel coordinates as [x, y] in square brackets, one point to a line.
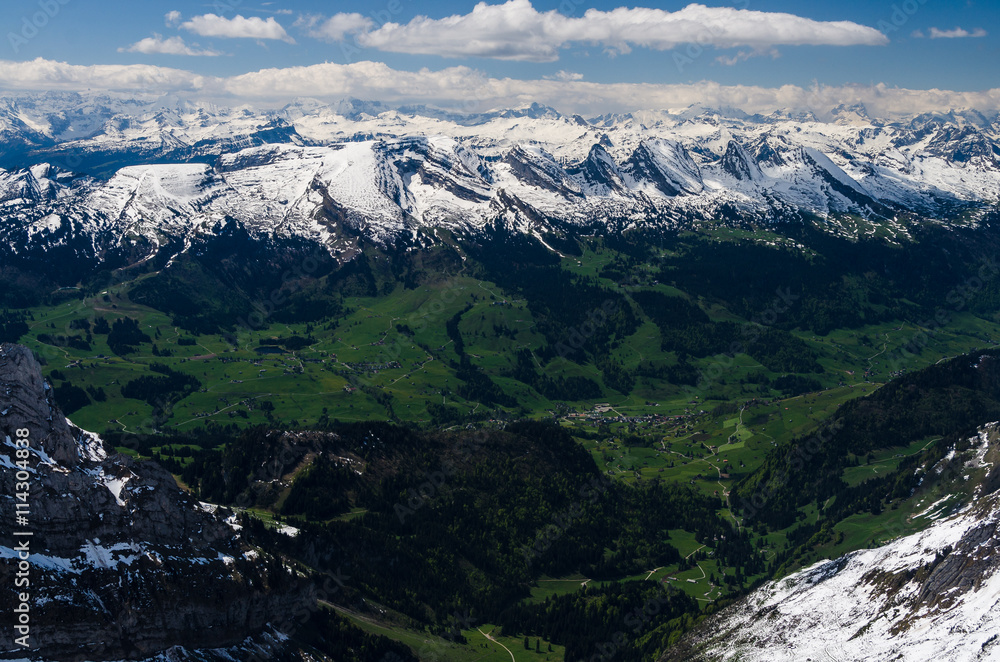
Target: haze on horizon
[757, 55]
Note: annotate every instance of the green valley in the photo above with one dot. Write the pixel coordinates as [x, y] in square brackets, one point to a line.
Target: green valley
[641, 425]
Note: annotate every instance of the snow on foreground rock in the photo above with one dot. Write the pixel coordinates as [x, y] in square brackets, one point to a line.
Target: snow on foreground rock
[934, 595]
[121, 564]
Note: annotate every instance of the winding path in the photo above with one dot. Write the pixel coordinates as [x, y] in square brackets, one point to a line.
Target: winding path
[513, 659]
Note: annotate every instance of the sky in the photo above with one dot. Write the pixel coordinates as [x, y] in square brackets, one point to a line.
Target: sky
[576, 55]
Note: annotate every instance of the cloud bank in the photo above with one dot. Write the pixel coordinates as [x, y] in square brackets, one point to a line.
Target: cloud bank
[43, 75]
[464, 89]
[516, 31]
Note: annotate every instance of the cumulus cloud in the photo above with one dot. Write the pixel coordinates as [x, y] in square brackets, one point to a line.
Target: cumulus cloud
[172, 18]
[956, 33]
[210, 25]
[170, 46]
[465, 89]
[516, 31]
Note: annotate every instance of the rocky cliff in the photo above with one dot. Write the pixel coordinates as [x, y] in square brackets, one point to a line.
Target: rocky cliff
[123, 563]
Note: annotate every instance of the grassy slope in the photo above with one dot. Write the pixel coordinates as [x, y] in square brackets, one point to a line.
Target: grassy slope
[306, 385]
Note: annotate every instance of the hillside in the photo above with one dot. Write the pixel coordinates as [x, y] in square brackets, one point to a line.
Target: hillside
[510, 385]
[925, 596]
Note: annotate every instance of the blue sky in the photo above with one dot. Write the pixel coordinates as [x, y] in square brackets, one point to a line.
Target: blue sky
[759, 43]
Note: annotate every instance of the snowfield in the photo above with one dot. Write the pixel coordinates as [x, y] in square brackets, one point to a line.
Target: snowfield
[167, 172]
[933, 596]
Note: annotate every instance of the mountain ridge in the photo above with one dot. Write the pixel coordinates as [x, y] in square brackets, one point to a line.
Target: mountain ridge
[166, 175]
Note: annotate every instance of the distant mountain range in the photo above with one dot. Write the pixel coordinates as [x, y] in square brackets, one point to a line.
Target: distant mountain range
[219, 210]
[92, 172]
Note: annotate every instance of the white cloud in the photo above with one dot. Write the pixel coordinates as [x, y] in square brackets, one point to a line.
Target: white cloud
[466, 89]
[564, 76]
[956, 33]
[276, 11]
[169, 46]
[172, 18]
[254, 27]
[41, 74]
[743, 56]
[516, 31]
[337, 27]
[463, 88]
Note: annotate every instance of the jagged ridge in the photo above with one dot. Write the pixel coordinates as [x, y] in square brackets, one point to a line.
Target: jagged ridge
[167, 173]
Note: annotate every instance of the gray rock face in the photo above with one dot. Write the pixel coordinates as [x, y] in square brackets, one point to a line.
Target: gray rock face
[26, 401]
[123, 563]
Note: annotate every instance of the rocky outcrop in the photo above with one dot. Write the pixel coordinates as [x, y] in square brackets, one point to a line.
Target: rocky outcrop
[931, 596]
[123, 563]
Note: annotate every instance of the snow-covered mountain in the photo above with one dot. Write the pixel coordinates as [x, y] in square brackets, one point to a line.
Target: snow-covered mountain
[165, 169]
[929, 596]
